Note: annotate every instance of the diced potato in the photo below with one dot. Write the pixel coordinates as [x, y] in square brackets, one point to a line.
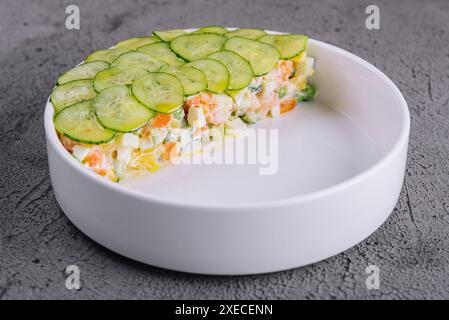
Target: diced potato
[81, 152]
[127, 140]
[196, 117]
[235, 123]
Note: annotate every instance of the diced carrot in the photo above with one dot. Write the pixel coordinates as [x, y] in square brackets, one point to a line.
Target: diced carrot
[195, 101]
[145, 131]
[101, 172]
[286, 69]
[170, 150]
[94, 158]
[288, 105]
[161, 120]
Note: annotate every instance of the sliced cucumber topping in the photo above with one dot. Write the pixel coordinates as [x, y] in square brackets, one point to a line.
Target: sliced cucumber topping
[247, 33]
[116, 76]
[162, 51]
[169, 35]
[137, 42]
[159, 91]
[240, 72]
[261, 56]
[79, 123]
[288, 45]
[83, 71]
[71, 93]
[233, 93]
[107, 55]
[192, 80]
[138, 60]
[211, 29]
[120, 89]
[197, 46]
[216, 73]
[117, 109]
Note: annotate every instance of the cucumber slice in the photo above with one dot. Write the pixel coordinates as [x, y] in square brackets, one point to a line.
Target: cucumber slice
[137, 42]
[247, 33]
[233, 93]
[107, 55]
[117, 76]
[211, 29]
[162, 51]
[136, 59]
[288, 45]
[192, 80]
[216, 73]
[240, 72]
[197, 46]
[83, 71]
[117, 109]
[72, 92]
[169, 35]
[261, 56]
[79, 123]
[159, 91]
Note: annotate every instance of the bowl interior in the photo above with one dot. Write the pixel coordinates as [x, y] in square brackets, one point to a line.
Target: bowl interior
[356, 120]
[317, 147]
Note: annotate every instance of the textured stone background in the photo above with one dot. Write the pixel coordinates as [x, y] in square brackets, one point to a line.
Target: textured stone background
[37, 242]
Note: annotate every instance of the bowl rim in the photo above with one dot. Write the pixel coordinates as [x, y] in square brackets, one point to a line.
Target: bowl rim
[389, 156]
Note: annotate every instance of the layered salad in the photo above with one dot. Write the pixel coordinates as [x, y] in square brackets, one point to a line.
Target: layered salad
[148, 100]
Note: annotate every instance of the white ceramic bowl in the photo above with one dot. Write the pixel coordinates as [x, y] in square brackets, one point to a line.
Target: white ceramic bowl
[341, 166]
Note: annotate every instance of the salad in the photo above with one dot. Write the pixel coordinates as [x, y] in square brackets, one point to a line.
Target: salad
[120, 111]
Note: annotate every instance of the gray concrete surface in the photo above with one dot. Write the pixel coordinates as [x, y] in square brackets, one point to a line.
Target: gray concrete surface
[37, 242]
